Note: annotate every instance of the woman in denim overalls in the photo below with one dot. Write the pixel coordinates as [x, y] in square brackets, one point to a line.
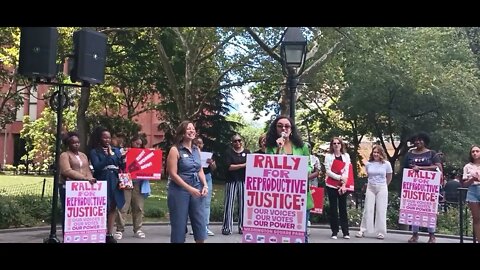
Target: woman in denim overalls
[187, 187]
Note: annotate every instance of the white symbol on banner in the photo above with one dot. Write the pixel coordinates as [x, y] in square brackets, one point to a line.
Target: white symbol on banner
[260, 238]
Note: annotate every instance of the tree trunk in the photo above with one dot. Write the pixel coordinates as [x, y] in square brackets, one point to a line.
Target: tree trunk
[82, 126]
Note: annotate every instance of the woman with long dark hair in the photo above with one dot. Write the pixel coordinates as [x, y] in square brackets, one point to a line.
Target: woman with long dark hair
[471, 179]
[283, 139]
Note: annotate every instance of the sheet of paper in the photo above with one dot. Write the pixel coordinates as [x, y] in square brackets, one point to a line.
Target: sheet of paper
[204, 156]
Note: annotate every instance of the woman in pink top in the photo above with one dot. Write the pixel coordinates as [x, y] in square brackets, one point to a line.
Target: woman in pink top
[471, 179]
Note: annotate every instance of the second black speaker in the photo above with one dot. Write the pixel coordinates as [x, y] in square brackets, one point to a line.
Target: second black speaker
[90, 49]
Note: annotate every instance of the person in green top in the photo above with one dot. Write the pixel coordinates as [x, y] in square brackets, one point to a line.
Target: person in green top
[283, 138]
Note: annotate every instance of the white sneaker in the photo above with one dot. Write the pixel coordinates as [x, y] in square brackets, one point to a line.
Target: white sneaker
[139, 234]
[210, 233]
[334, 237]
[346, 237]
[309, 223]
[118, 235]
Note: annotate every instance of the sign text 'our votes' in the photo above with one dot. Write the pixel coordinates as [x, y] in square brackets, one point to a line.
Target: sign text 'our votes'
[275, 189]
[88, 204]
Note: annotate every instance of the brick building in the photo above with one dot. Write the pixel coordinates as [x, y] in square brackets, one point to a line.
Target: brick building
[34, 105]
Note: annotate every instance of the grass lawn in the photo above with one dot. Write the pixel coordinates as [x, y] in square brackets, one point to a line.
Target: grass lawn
[22, 184]
[12, 180]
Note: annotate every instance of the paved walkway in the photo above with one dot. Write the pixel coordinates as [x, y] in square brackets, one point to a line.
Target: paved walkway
[160, 233]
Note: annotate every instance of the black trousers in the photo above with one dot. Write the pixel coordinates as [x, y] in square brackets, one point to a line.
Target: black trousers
[338, 205]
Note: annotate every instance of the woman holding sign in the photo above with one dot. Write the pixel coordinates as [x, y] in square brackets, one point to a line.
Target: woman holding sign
[134, 200]
[337, 162]
[283, 138]
[74, 165]
[379, 173]
[471, 179]
[187, 186]
[422, 158]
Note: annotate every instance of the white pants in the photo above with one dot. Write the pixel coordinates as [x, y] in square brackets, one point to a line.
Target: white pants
[376, 201]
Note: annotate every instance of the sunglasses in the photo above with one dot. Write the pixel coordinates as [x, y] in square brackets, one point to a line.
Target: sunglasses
[239, 140]
[284, 126]
[336, 143]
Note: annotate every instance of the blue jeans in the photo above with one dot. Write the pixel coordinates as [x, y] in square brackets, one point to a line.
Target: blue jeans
[416, 229]
[208, 200]
[473, 193]
[182, 205]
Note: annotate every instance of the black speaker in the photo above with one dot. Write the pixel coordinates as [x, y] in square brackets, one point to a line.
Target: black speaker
[90, 49]
[38, 52]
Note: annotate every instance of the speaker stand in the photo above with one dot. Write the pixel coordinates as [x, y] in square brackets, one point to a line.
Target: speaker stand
[60, 101]
[58, 142]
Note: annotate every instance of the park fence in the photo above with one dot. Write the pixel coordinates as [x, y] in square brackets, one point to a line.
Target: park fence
[42, 188]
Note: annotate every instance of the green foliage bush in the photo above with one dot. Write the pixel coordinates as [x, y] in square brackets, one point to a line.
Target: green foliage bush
[393, 210]
[155, 212]
[24, 211]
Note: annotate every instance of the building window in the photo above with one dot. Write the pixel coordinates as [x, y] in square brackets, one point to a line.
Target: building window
[32, 105]
[20, 109]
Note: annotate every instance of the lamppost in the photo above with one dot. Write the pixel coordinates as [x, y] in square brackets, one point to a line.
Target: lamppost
[294, 53]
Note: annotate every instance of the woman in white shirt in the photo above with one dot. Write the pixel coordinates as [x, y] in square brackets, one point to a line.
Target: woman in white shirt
[336, 190]
[379, 171]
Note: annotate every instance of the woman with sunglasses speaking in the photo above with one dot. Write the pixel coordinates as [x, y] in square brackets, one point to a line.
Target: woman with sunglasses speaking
[283, 138]
[236, 160]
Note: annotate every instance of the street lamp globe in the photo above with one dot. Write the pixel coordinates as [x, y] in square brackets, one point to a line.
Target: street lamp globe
[294, 47]
[293, 52]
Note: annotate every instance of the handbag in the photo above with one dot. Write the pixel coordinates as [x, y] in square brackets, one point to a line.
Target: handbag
[124, 181]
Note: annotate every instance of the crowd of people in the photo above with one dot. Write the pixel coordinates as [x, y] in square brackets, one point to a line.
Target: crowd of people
[189, 185]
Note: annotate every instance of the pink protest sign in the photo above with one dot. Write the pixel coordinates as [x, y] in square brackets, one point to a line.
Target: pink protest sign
[85, 212]
[275, 199]
[419, 198]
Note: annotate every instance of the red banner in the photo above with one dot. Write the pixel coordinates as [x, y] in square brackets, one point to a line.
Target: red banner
[143, 163]
[318, 196]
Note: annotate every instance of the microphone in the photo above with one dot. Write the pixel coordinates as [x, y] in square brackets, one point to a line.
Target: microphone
[280, 145]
